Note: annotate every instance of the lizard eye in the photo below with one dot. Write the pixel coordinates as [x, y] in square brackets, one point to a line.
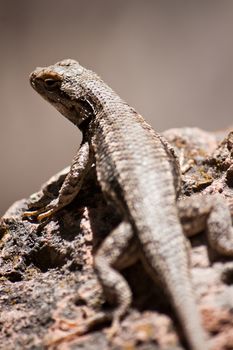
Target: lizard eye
[51, 83]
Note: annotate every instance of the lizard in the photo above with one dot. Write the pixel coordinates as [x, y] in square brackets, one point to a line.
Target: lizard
[139, 173]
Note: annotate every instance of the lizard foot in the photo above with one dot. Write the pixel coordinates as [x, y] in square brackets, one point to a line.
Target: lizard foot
[43, 213]
[77, 329]
[114, 329]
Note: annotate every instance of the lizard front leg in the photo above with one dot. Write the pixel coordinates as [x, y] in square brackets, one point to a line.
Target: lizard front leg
[48, 191]
[71, 185]
[212, 212]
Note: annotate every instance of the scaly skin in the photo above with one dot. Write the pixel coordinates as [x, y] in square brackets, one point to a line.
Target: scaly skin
[139, 173]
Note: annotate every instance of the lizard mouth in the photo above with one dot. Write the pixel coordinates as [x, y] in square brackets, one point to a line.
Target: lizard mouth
[54, 95]
[32, 79]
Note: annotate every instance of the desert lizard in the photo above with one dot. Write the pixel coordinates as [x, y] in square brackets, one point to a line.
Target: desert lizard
[138, 172]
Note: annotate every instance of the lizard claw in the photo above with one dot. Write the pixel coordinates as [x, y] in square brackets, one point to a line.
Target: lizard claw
[30, 213]
[42, 213]
[46, 214]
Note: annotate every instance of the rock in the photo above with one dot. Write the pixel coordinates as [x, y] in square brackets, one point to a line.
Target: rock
[48, 286]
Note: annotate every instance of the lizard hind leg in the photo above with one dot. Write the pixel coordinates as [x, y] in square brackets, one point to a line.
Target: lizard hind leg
[210, 212]
[117, 251]
[111, 256]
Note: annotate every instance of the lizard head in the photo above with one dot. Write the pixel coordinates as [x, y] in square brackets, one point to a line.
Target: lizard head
[62, 84]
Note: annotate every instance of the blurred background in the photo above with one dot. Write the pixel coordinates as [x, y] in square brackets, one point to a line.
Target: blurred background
[170, 59]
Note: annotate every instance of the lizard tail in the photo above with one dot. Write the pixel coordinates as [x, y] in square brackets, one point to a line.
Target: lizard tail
[169, 262]
[183, 300]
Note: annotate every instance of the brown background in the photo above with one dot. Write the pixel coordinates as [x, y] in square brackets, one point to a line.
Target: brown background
[172, 60]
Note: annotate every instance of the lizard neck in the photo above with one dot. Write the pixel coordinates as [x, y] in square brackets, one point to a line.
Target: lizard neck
[102, 97]
[97, 99]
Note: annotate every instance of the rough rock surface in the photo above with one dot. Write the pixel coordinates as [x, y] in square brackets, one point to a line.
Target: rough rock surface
[48, 288]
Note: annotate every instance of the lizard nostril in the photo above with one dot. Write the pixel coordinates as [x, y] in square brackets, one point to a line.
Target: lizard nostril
[35, 73]
[32, 77]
